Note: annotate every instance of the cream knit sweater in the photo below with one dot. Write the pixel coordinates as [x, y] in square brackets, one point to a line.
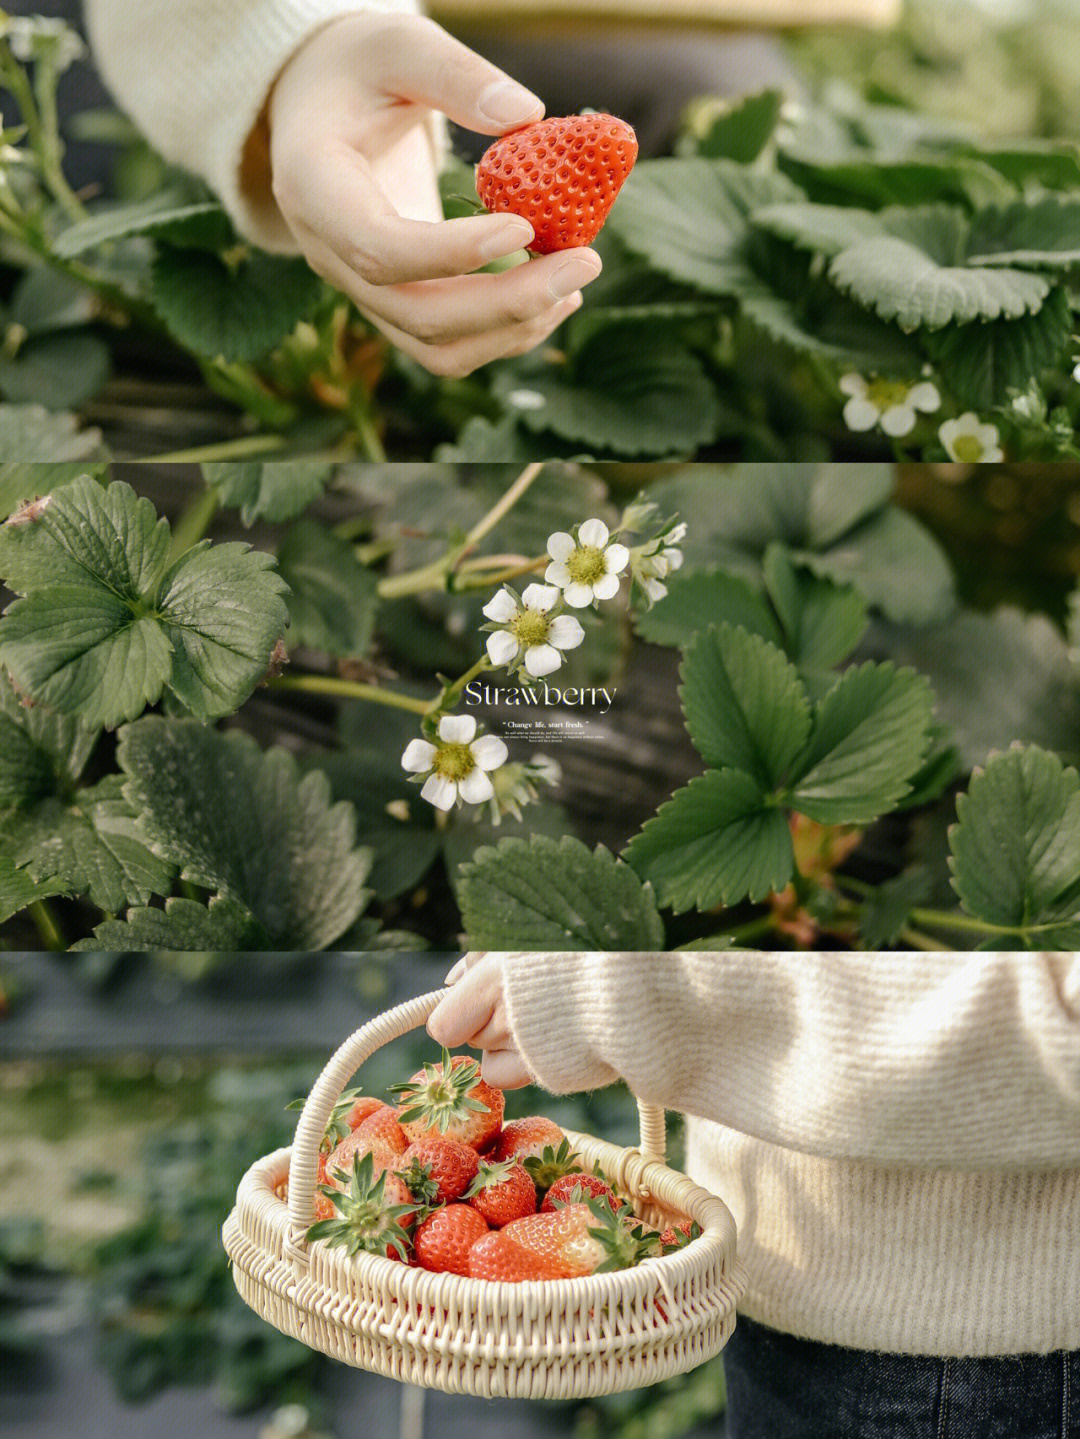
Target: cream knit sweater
[898, 1136]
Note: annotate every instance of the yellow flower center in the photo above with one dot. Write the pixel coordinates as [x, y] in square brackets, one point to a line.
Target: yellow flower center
[586, 565]
[530, 627]
[885, 394]
[454, 761]
[967, 449]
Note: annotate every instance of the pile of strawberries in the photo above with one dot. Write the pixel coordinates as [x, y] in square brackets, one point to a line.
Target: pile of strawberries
[439, 1182]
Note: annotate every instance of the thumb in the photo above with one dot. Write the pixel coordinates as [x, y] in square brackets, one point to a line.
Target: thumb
[434, 69]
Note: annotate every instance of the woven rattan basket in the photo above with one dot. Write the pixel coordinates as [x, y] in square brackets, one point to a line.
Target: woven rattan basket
[556, 1339]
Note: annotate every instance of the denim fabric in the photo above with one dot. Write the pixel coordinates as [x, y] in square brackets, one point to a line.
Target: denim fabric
[785, 1388]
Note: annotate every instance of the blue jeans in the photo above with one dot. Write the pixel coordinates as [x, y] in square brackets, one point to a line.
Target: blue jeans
[785, 1388]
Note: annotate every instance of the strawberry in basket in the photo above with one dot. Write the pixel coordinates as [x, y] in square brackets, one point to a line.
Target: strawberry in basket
[502, 1193]
[373, 1212]
[451, 1101]
[438, 1171]
[583, 1238]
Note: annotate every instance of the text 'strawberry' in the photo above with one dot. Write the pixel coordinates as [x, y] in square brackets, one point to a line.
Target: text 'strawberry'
[562, 175]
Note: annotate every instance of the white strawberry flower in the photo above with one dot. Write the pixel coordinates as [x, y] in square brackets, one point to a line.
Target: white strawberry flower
[586, 567]
[528, 633]
[889, 404]
[968, 441]
[458, 765]
[651, 564]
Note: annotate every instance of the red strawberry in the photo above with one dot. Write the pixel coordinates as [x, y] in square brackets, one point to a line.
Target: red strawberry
[340, 1162]
[438, 1170]
[583, 1238]
[572, 1188]
[451, 1101]
[496, 1258]
[502, 1193]
[383, 1126]
[443, 1240]
[523, 1139]
[371, 1211]
[679, 1235]
[562, 175]
[361, 1108]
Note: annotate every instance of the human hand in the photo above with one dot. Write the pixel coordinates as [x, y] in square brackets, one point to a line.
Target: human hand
[474, 1013]
[354, 175]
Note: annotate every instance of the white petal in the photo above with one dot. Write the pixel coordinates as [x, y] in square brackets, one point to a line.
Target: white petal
[948, 432]
[489, 752]
[988, 436]
[593, 532]
[577, 596]
[616, 559]
[540, 597]
[502, 648]
[993, 456]
[419, 756]
[560, 545]
[658, 566]
[501, 607]
[674, 558]
[674, 536]
[475, 788]
[654, 589]
[606, 587]
[925, 397]
[542, 660]
[852, 385]
[439, 791]
[457, 729]
[860, 414]
[557, 574]
[565, 632]
[898, 420]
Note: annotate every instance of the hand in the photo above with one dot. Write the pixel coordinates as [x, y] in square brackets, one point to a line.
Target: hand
[474, 1013]
[354, 175]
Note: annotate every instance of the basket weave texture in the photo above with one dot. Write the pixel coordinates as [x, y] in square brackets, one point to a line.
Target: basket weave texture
[555, 1339]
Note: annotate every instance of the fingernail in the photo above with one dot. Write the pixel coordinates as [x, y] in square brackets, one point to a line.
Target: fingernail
[509, 236]
[505, 102]
[456, 973]
[572, 276]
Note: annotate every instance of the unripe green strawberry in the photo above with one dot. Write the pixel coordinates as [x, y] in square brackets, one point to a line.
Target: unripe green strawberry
[560, 174]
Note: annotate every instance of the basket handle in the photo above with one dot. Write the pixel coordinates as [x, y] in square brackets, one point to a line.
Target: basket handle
[327, 1090]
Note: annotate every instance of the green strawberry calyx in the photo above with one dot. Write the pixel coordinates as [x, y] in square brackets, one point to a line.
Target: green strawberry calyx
[623, 1237]
[366, 1222]
[442, 1096]
[552, 1164]
[490, 1175]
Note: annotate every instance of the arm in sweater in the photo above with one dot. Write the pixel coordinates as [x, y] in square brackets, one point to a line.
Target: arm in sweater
[939, 1061]
[195, 75]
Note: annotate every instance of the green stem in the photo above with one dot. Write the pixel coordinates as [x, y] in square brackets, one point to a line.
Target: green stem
[752, 929]
[946, 919]
[437, 574]
[241, 449]
[916, 940]
[451, 692]
[51, 935]
[371, 446]
[485, 581]
[193, 523]
[52, 152]
[348, 689]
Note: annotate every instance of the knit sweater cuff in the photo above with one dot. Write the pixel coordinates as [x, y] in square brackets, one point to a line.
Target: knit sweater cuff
[556, 1034]
[200, 91]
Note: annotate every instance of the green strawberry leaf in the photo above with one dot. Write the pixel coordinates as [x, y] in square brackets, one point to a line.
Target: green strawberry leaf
[168, 215]
[332, 597]
[871, 733]
[715, 842]
[42, 754]
[625, 398]
[699, 598]
[1016, 846]
[823, 621]
[688, 218]
[233, 310]
[268, 491]
[997, 678]
[820, 229]
[93, 847]
[555, 894]
[736, 129]
[70, 368]
[18, 889]
[244, 823]
[981, 364]
[922, 280]
[887, 908]
[223, 925]
[745, 708]
[103, 628]
[1042, 234]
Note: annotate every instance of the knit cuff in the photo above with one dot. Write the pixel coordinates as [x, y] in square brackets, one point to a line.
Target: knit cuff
[551, 1004]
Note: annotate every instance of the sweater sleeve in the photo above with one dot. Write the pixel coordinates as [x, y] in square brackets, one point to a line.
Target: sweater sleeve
[938, 1061]
[195, 75]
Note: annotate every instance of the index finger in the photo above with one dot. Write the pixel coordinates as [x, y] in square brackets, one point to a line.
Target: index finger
[463, 1014]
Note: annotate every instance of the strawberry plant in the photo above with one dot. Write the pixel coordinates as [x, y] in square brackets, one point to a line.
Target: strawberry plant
[877, 762]
[845, 277]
